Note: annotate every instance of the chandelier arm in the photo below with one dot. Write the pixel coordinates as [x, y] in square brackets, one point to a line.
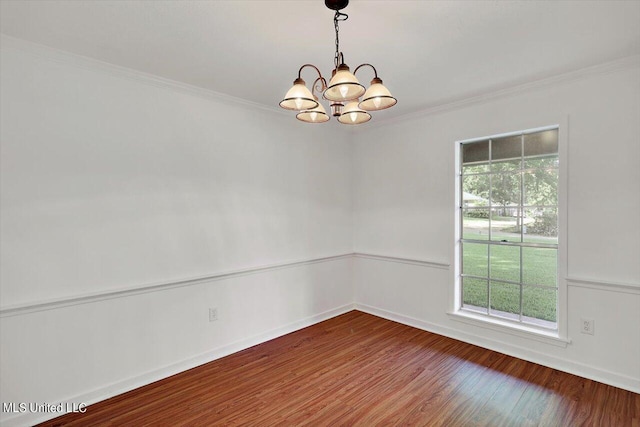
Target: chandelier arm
[375, 72]
[319, 85]
[312, 66]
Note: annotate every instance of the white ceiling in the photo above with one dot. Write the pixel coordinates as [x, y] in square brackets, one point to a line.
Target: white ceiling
[427, 52]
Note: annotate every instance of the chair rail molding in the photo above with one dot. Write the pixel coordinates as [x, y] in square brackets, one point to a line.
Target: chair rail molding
[21, 309]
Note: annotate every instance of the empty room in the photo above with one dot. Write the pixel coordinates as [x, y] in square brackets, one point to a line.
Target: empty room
[354, 213]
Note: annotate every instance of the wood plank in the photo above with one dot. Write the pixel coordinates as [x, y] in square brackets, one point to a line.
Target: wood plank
[358, 369]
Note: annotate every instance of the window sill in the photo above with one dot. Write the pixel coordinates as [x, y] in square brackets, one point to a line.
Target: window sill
[522, 331]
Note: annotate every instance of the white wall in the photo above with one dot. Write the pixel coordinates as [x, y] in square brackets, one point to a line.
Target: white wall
[404, 207]
[108, 182]
[119, 187]
[111, 181]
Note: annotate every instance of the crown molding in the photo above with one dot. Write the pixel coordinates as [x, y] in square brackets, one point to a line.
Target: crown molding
[91, 64]
[87, 63]
[625, 63]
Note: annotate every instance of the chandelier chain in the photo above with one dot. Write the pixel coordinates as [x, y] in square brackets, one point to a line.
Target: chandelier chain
[336, 19]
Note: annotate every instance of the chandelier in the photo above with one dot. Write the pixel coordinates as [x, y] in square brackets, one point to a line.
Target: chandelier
[344, 91]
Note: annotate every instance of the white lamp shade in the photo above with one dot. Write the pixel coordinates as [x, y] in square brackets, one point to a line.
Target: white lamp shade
[298, 98]
[315, 115]
[343, 86]
[353, 115]
[377, 97]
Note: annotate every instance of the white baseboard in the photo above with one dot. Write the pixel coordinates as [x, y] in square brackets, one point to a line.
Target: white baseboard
[114, 389]
[579, 369]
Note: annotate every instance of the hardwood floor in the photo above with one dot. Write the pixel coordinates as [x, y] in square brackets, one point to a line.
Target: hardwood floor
[358, 369]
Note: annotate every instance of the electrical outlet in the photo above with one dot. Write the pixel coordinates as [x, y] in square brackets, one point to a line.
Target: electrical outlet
[213, 314]
[587, 326]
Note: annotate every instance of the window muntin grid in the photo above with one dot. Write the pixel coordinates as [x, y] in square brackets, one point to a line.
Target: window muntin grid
[520, 266]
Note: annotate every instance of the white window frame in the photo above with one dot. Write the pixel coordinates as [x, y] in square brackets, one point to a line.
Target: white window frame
[556, 337]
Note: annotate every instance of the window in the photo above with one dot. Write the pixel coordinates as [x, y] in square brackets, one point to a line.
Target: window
[508, 230]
